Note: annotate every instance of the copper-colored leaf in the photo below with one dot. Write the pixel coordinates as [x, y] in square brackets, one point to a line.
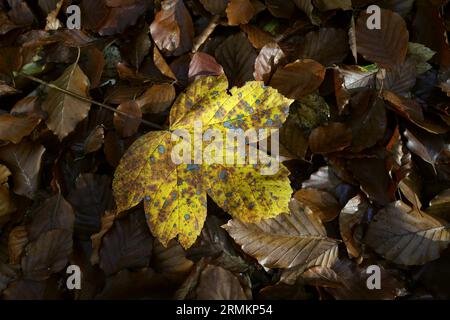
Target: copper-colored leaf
[14, 128]
[331, 138]
[386, 46]
[17, 240]
[127, 126]
[351, 215]
[266, 61]
[65, 111]
[173, 30]
[202, 64]
[321, 203]
[297, 79]
[239, 12]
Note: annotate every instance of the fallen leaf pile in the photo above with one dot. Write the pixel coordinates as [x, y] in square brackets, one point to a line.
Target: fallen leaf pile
[87, 124]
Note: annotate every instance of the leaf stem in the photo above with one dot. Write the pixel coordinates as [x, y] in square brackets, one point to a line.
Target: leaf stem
[85, 99]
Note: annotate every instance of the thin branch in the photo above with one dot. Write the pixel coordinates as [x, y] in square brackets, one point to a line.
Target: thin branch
[85, 99]
[205, 33]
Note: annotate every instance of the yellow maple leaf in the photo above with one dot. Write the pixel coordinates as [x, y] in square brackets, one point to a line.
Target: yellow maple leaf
[175, 195]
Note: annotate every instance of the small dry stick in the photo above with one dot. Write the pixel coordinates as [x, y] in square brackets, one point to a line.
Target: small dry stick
[205, 33]
[85, 99]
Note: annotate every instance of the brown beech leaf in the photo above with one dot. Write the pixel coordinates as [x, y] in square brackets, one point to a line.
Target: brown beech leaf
[17, 240]
[321, 203]
[405, 236]
[351, 215]
[53, 213]
[95, 140]
[64, 111]
[157, 98]
[128, 126]
[386, 46]
[171, 261]
[374, 178]
[407, 108]
[296, 80]
[321, 277]
[47, 255]
[93, 65]
[24, 161]
[173, 30]
[90, 198]
[399, 79]
[327, 46]
[14, 128]
[202, 64]
[323, 179]
[162, 65]
[217, 283]
[293, 138]
[257, 37]
[281, 8]
[290, 240]
[368, 120]
[353, 279]
[6, 203]
[239, 12]
[330, 138]
[266, 61]
[426, 145]
[128, 244]
[237, 58]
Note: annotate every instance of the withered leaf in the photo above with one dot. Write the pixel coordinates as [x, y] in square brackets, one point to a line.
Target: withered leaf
[128, 125]
[47, 255]
[128, 244]
[330, 138]
[266, 61]
[349, 218]
[296, 80]
[323, 204]
[287, 241]
[173, 30]
[65, 111]
[216, 283]
[14, 128]
[406, 236]
[53, 213]
[237, 58]
[202, 64]
[387, 45]
[24, 161]
[239, 12]
[91, 197]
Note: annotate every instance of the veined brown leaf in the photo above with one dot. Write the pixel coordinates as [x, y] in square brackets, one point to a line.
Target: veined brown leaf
[64, 111]
[406, 236]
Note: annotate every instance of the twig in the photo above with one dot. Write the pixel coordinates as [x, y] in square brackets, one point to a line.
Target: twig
[85, 99]
[205, 33]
